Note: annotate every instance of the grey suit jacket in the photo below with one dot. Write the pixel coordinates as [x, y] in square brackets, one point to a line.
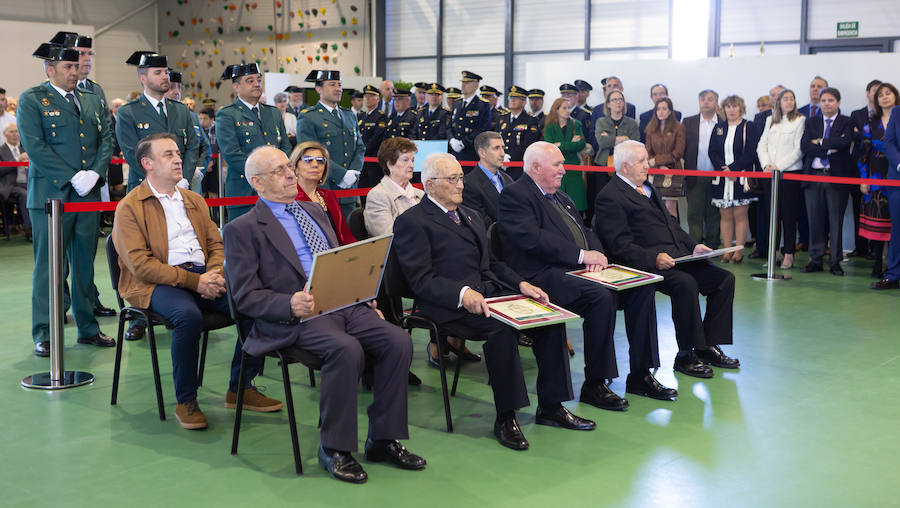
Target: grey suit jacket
[264, 272]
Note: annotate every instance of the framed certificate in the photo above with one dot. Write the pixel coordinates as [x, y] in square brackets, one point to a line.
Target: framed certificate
[707, 255]
[618, 277]
[522, 312]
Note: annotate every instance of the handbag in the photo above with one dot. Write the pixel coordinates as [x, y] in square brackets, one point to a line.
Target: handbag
[669, 186]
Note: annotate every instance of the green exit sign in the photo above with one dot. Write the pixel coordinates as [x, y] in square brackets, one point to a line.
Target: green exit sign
[847, 29]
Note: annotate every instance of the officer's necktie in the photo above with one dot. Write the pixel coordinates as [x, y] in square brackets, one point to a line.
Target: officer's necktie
[313, 239]
[337, 114]
[162, 113]
[454, 217]
[256, 112]
[71, 98]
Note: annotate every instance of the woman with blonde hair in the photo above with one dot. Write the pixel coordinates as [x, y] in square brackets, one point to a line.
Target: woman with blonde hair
[310, 162]
[565, 132]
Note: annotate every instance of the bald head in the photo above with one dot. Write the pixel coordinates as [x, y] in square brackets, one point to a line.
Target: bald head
[387, 90]
[442, 177]
[270, 173]
[543, 162]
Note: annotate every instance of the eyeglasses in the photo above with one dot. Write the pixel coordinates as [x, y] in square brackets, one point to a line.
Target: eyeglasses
[309, 158]
[284, 170]
[452, 180]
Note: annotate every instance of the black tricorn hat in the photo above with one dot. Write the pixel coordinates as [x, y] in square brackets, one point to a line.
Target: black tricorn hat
[145, 59]
[293, 89]
[356, 94]
[71, 40]
[233, 72]
[319, 76]
[47, 51]
[174, 76]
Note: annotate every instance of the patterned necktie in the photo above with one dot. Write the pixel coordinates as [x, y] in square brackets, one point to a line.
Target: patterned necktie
[813, 110]
[71, 98]
[454, 216]
[828, 121]
[313, 239]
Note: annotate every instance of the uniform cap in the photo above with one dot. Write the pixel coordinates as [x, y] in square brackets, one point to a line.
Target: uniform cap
[145, 59]
[470, 76]
[53, 52]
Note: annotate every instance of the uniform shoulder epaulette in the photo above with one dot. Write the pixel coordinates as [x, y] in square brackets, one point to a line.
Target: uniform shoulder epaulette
[173, 100]
[36, 89]
[132, 101]
[588, 108]
[445, 108]
[484, 100]
[83, 91]
[502, 110]
[227, 106]
[306, 110]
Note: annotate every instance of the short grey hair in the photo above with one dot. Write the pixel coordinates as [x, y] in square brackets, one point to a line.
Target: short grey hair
[430, 166]
[532, 153]
[626, 151]
[280, 96]
[11, 125]
[254, 165]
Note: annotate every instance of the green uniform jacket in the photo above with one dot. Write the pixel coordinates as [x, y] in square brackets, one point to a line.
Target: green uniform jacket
[138, 119]
[61, 143]
[93, 86]
[239, 131]
[342, 140]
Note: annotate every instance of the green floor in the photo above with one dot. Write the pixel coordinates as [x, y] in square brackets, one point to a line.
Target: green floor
[808, 421]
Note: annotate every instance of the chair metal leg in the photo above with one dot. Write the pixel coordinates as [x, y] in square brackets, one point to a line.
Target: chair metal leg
[155, 361]
[262, 366]
[292, 420]
[202, 358]
[239, 406]
[312, 377]
[459, 362]
[443, 370]
[118, 365]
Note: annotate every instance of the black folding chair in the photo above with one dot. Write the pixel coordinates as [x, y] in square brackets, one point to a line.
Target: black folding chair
[395, 286]
[285, 357]
[211, 321]
[357, 224]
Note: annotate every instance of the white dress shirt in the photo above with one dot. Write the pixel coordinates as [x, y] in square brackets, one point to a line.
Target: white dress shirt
[184, 246]
[154, 102]
[63, 93]
[819, 162]
[706, 128]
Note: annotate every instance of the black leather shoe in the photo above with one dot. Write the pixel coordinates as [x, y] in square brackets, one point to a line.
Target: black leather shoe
[562, 417]
[393, 452]
[509, 434]
[757, 255]
[525, 341]
[837, 270]
[688, 363]
[134, 332]
[101, 339]
[465, 355]
[101, 311]
[648, 386]
[413, 380]
[601, 396]
[812, 267]
[716, 358]
[886, 284]
[342, 466]
[42, 349]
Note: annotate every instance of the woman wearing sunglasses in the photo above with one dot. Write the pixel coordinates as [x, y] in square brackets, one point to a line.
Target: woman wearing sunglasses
[310, 162]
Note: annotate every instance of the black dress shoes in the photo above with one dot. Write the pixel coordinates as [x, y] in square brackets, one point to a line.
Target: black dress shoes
[602, 397]
[688, 363]
[466, 355]
[342, 466]
[134, 332]
[101, 339]
[715, 357]
[757, 255]
[509, 434]
[837, 270]
[812, 267]
[562, 417]
[101, 311]
[42, 349]
[648, 386]
[413, 380]
[525, 341]
[393, 452]
[886, 284]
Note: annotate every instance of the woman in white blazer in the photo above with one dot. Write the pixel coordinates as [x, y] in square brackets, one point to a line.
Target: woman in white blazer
[779, 150]
[394, 194]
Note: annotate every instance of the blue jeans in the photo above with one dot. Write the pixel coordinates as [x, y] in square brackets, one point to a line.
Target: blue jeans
[184, 309]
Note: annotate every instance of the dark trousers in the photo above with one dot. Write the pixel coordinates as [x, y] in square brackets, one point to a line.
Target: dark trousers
[342, 340]
[825, 206]
[184, 309]
[861, 244]
[598, 305]
[763, 216]
[594, 183]
[501, 355]
[79, 236]
[893, 257]
[701, 212]
[684, 284]
[789, 209]
[19, 195]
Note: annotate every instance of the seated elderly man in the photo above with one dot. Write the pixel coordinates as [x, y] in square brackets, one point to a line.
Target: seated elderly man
[270, 251]
[14, 180]
[637, 231]
[545, 238]
[175, 269]
[442, 249]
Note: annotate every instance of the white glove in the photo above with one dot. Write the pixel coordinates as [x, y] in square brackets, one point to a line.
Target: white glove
[183, 183]
[506, 158]
[350, 178]
[456, 145]
[84, 180]
[197, 179]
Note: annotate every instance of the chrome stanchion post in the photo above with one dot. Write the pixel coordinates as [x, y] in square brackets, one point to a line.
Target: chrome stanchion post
[773, 234]
[58, 378]
[221, 192]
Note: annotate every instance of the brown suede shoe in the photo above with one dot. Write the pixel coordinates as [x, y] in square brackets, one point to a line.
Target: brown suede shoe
[189, 416]
[253, 401]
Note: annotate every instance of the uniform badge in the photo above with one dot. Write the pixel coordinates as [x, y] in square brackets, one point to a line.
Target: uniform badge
[324, 124]
[45, 102]
[719, 131]
[471, 113]
[250, 124]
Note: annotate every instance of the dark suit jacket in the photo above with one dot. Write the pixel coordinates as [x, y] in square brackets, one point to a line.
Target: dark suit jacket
[805, 111]
[264, 272]
[860, 117]
[439, 257]
[644, 120]
[538, 245]
[480, 194]
[635, 229]
[744, 156]
[840, 138]
[8, 174]
[892, 146]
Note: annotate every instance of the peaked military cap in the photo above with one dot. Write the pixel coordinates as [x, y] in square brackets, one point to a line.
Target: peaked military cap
[515, 91]
[489, 90]
[453, 92]
[233, 72]
[318, 77]
[535, 93]
[567, 88]
[583, 86]
[421, 85]
[53, 52]
[369, 89]
[470, 76]
[401, 92]
[144, 59]
[435, 88]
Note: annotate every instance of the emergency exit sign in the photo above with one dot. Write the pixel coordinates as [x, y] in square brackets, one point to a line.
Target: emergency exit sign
[847, 29]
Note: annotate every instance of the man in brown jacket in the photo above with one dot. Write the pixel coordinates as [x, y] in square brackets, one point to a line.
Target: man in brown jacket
[171, 258]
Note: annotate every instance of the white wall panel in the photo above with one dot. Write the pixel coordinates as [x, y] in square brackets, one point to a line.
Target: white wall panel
[412, 70]
[760, 20]
[789, 48]
[490, 68]
[629, 23]
[410, 27]
[474, 26]
[540, 25]
[520, 64]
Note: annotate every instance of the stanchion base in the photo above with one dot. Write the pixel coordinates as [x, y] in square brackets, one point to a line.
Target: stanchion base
[71, 379]
[775, 277]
